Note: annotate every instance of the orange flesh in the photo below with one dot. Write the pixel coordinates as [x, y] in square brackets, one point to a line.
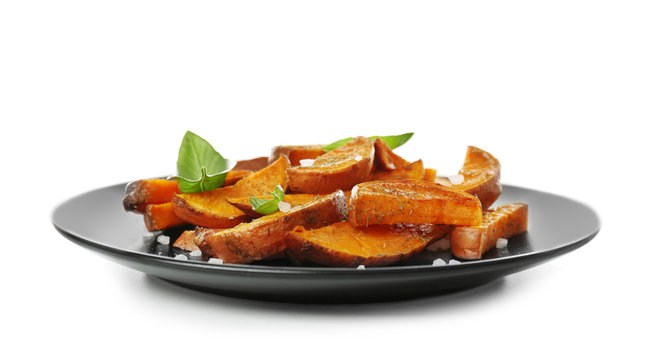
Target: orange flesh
[385, 158]
[412, 171]
[160, 217]
[481, 172]
[503, 222]
[411, 201]
[344, 245]
[141, 193]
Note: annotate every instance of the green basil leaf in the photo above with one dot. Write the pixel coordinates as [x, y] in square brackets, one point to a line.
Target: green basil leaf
[200, 167]
[268, 206]
[393, 141]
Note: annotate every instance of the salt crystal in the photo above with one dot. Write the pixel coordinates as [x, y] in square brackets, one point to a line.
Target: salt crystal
[284, 206]
[438, 262]
[306, 162]
[442, 244]
[163, 239]
[361, 267]
[456, 179]
[215, 261]
[501, 243]
[358, 158]
[453, 262]
[182, 257]
[195, 253]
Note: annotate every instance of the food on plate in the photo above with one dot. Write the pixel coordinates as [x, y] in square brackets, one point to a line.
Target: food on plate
[410, 171]
[296, 153]
[471, 242]
[481, 176]
[161, 216]
[141, 193]
[342, 244]
[412, 201]
[264, 237]
[244, 204]
[385, 158]
[350, 203]
[211, 209]
[339, 169]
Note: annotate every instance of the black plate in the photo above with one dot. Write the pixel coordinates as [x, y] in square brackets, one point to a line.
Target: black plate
[97, 221]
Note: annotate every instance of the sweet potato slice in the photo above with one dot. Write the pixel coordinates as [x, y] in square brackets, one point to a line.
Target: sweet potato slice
[471, 242]
[160, 217]
[411, 171]
[340, 168]
[244, 205]
[429, 174]
[411, 201]
[233, 176]
[385, 159]
[255, 164]
[211, 209]
[296, 153]
[264, 237]
[186, 241]
[141, 193]
[341, 244]
[481, 172]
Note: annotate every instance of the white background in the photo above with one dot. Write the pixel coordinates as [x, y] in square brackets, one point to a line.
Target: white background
[94, 93]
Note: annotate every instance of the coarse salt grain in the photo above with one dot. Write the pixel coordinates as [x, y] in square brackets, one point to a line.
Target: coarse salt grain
[501, 243]
[453, 262]
[358, 158]
[438, 262]
[442, 244]
[306, 162]
[456, 179]
[195, 253]
[284, 206]
[215, 261]
[163, 239]
[182, 257]
[361, 267]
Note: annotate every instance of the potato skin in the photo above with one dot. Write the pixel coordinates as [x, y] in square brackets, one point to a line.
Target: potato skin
[337, 169]
[385, 158]
[412, 201]
[141, 193]
[255, 164]
[211, 209]
[296, 153]
[505, 221]
[341, 244]
[411, 171]
[264, 237]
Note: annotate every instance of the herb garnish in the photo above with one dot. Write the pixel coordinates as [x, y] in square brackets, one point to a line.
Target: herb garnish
[268, 206]
[393, 141]
[200, 167]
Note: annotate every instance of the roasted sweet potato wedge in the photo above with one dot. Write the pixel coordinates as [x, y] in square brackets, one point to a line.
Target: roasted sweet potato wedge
[411, 201]
[233, 176]
[296, 153]
[341, 168]
[186, 241]
[141, 193]
[244, 205]
[255, 164]
[429, 174]
[160, 217]
[342, 244]
[481, 172]
[385, 159]
[264, 237]
[211, 209]
[471, 242]
[411, 171]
